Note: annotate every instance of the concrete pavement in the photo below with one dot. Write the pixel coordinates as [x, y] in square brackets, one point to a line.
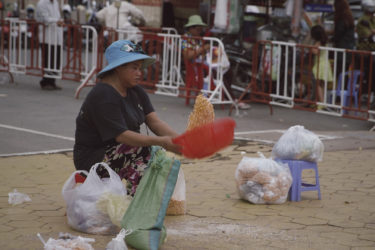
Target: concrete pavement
[216, 218]
[33, 121]
[45, 120]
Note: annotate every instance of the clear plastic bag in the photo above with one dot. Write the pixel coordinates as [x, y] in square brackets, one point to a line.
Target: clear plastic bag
[81, 200]
[118, 243]
[263, 181]
[16, 197]
[298, 143]
[67, 242]
[177, 204]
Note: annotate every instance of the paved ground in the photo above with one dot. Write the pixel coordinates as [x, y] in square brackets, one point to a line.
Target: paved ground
[33, 121]
[216, 218]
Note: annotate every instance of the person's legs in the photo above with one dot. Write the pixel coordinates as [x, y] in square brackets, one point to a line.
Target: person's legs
[129, 163]
[46, 82]
[49, 83]
[371, 75]
[319, 93]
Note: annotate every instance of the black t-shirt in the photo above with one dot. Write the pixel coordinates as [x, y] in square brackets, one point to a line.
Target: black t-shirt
[104, 115]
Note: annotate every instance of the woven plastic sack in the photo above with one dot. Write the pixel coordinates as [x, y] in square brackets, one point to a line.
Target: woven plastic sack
[263, 181]
[81, 200]
[298, 143]
[146, 213]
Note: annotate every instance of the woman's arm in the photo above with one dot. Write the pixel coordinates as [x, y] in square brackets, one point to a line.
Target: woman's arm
[158, 126]
[315, 51]
[191, 54]
[135, 139]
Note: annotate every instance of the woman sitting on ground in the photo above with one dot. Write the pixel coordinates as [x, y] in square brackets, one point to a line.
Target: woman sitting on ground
[108, 123]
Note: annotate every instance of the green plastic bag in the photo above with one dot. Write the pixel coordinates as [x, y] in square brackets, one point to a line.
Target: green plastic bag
[145, 215]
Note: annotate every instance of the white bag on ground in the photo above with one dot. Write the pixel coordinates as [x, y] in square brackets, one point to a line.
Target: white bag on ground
[16, 197]
[67, 242]
[263, 181]
[298, 143]
[177, 204]
[81, 201]
[118, 243]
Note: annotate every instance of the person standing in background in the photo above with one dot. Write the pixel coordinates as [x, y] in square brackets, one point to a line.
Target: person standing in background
[168, 14]
[125, 16]
[343, 33]
[366, 27]
[366, 41]
[322, 68]
[50, 37]
[108, 16]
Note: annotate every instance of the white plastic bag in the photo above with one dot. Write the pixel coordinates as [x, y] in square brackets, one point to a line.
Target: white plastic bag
[227, 15]
[67, 242]
[298, 143]
[177, 204]
[16, 197]
[221, 14]
[263, 181]
[219, 58]
[82, 212]
[118, 243]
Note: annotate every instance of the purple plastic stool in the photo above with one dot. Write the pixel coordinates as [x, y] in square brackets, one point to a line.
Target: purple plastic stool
[296, 167]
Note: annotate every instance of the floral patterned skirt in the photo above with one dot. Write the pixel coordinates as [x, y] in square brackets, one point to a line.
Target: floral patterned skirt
[128, 162]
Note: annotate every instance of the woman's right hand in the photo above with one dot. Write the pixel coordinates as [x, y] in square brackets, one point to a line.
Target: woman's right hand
[167, 144]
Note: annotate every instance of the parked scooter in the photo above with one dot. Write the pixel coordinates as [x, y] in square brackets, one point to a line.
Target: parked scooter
[240, 61]
[240, 66]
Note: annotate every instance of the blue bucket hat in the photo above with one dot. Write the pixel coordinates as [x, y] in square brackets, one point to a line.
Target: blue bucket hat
[122, 52]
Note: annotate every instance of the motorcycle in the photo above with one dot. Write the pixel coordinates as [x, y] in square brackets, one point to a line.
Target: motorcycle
[240, 66]
[239, 74]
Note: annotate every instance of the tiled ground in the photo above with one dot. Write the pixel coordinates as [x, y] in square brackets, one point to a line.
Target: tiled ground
[217, 218]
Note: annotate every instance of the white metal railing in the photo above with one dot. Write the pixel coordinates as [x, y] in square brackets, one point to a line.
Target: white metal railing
[293, 75]
[171, 78]
[23, 56]
[17, 46]
[215, 60]
[90, 56]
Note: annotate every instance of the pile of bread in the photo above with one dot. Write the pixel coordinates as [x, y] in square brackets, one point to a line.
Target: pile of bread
[263, 181]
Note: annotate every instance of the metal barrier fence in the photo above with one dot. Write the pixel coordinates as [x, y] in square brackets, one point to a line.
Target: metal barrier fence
[193, 78]
[4, 51]
[67, 52]
[76, 52]
[146, 37]
[327, 80]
